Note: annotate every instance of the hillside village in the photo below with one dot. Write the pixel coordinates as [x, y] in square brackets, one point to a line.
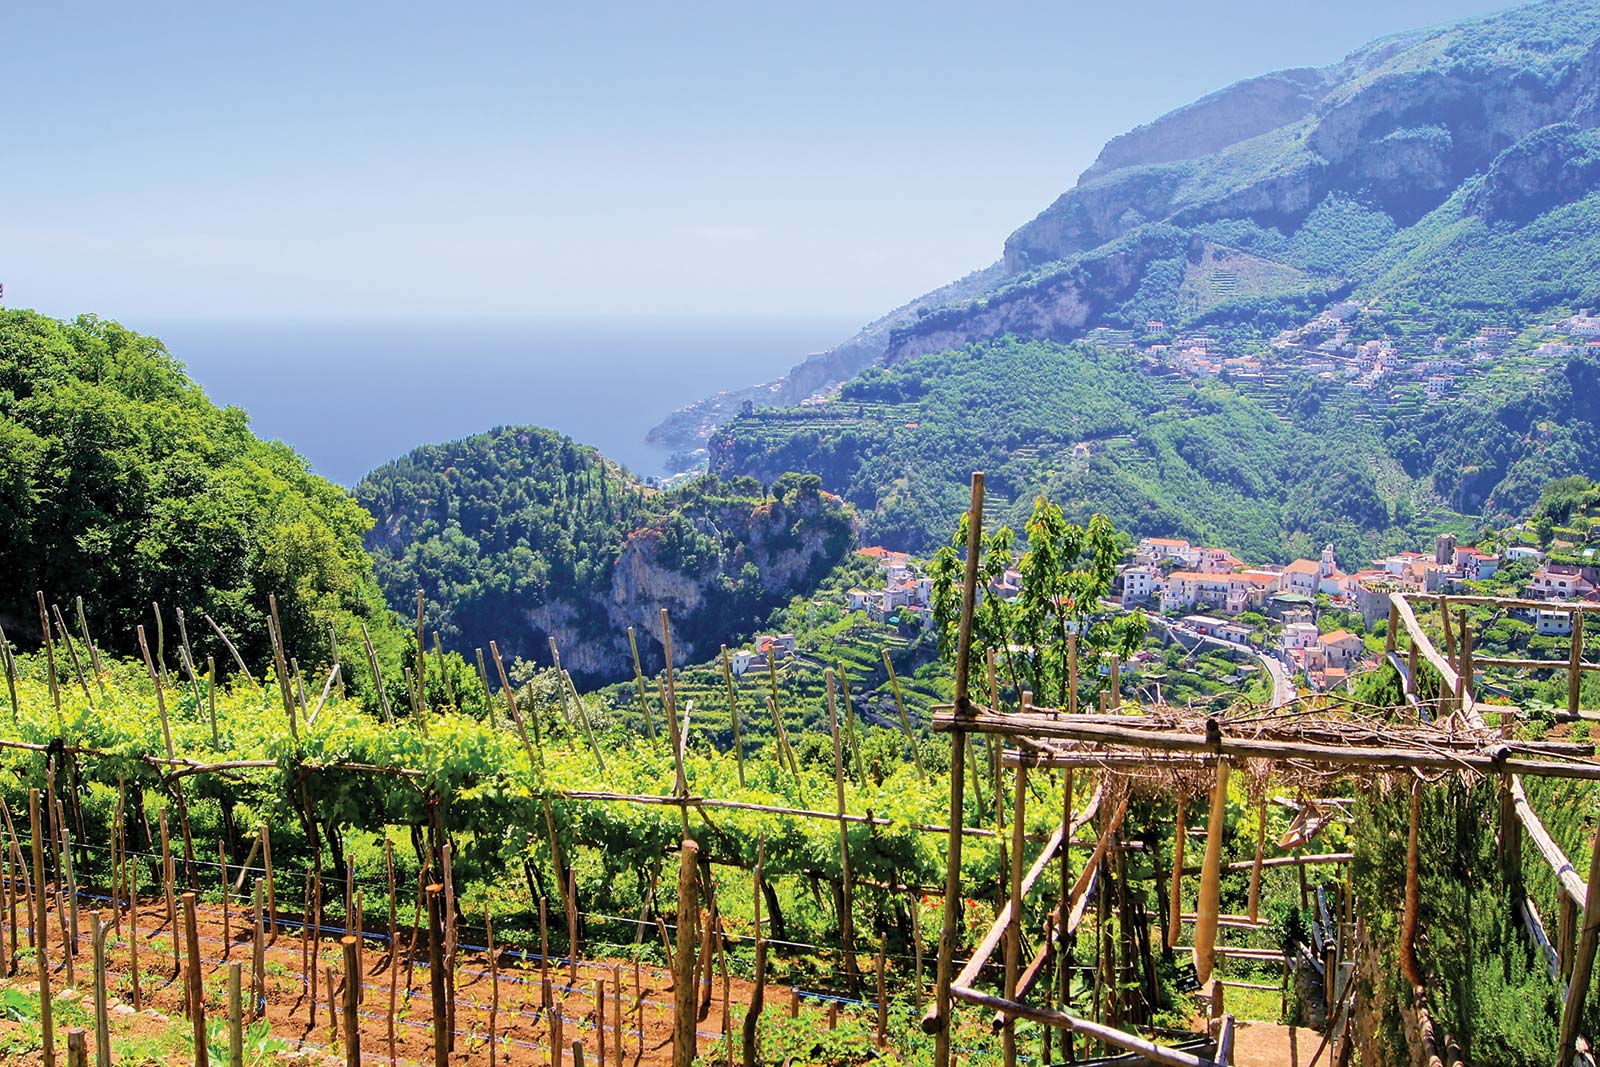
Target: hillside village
[1312, 618]
[1382, 354]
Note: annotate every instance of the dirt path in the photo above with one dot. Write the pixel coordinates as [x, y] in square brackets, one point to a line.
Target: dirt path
[1274, 1045]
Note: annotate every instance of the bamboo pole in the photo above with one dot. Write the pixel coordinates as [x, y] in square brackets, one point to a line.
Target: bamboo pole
[161, 703]
[850, 725]
[438, 657]
[785, 749]
[638, 676]
[905, 720]
[483, 680]
[683, 960]
[847, 934]
[1207, 906]
[88, 643]
[583, 720]
[733, 717]
[937, 1020]
[282, 665]
[422, 662]
[211, 700]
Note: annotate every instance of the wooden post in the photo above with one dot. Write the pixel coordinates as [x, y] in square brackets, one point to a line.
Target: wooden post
[638, 676]
[50, 665]
[1175, 905]
[847, 935]
[1261, 844]
[235, 1015]
[227, 924]
[599, 1021]
[1394, 624]
[197, 994]
[133, 933]
[42, 934]
[436, 983]
[758, 997]
[555, 1039]
[616, 1012]
[1575, 663]
[394, 946]
[738, 744]
[272, 885]
[102, 1023]
[683, 961]
[377, 675]
[1583, 961]
[258, 959]
[352, 995]
[1464, 662]
[883, 996]
[1072, 673]
[938, 1020]
[1013, 942]
[1206, 908]
[544, 953]
[494, 985]
[1408, 923]
[905, 720]
[77, 1051]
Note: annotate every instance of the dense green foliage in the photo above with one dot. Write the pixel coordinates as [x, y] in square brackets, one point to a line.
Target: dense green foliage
[1085, 427]
[519, 535]
[122, 483]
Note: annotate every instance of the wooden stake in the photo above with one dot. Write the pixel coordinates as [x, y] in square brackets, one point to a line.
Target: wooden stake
[883, 998]
[272, 885]
[555, 1039]
[394, 949]
[511, 706]
[133, 933]
[167, 878]
[238, 660]
[235, 1015]
[352, 996]
[77, 1052]
[733, 716]
[1261, 844]
[197, 996]
[1408, 924]
[758, 998]
[10, 670]
[72, 652]
[1207, 907]
[1575, 663]
[1180, 833]
[683, 961]
[102, 1023]
[377, 675]
[227, 922]
[258, 960]
[937, 1021]
[638, 676]
[494, 986]
[847, 938]
[1013, 942]
[50, 667]
[436, 977]
[905, 720]
[422, 663]
[600, 1021]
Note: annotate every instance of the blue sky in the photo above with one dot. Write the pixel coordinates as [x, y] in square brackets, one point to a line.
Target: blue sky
[163, 161]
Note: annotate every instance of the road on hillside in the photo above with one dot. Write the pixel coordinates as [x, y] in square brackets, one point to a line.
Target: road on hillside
[1282, 684]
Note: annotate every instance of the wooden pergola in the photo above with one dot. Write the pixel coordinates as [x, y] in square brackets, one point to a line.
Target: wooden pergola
[1321, 742]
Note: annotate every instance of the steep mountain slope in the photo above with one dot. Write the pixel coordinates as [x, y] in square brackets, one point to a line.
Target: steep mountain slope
[521, 535]
[1445, 180]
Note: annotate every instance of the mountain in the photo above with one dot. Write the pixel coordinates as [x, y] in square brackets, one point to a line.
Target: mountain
[1316, 244]
[522, 535]
[120, 482]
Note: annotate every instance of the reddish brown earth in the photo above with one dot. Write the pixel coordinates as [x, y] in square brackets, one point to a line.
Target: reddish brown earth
[522, 1027]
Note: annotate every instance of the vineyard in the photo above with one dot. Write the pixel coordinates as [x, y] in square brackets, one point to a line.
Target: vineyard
[521, 873]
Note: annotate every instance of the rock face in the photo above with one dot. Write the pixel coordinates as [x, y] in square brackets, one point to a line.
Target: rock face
[745, 562]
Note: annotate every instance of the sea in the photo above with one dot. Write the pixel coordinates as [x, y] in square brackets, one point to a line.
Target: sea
[349, 396]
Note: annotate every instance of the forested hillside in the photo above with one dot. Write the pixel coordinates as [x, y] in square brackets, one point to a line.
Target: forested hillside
[122, 483]
[1083, 425]
[522, 535]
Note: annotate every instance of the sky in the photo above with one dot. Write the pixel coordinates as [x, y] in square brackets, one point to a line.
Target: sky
[348, 161]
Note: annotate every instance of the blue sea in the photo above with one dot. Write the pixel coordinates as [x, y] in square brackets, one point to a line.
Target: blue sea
[352, 395]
